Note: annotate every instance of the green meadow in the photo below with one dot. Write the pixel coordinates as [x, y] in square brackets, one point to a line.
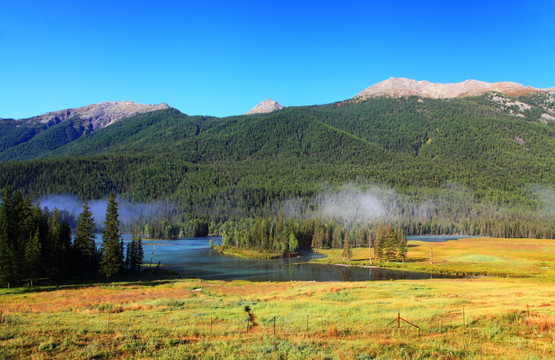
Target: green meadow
[485, 317]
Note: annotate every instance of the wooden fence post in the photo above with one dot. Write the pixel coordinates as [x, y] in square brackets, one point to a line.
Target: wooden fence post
[108, 322]
[210, 326]
[398, 319]
[528, 309]
[274, 326]
[431, 256]
[307, 325]
[463, 318]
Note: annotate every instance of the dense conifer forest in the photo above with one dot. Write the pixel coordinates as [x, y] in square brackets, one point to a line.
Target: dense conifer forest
[458, 166]
[36, 244]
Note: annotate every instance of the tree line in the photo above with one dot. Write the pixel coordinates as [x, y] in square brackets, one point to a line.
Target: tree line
[36, 246]
[284, 237]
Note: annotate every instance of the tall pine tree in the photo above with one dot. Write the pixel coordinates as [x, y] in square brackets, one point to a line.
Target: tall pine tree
[33, 257]
[379, 243]
[83, 243]
[390, 243]
[347, 252]
[134, 253]
[8, 269]
[111, 261]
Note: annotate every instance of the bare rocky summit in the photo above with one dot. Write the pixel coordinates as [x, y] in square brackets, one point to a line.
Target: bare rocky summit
[96, 116]
[266, 106]
[401, 87]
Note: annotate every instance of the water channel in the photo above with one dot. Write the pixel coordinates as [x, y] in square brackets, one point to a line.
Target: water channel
[192, 258]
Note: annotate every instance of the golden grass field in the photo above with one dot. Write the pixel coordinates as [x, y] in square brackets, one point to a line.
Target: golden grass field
[511, 318]
[472, 256]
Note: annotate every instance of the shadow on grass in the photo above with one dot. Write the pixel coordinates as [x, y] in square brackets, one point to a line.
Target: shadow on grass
[145, 278]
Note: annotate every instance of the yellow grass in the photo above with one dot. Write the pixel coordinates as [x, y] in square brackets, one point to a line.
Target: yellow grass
[171, 319]
[504, 318]
[472, 256]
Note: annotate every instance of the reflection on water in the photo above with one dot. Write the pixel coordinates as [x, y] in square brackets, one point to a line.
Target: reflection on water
[193, 258]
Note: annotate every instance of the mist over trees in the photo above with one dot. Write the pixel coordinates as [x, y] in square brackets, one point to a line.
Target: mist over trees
[35, 245]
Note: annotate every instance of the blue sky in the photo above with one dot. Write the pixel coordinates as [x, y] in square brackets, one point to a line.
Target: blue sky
[223, 57]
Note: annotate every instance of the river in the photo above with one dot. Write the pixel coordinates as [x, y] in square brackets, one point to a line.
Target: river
[192, 258]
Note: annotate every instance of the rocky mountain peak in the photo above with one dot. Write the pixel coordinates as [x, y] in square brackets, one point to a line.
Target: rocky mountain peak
[98, 115]
[266, 106]
[400, 87]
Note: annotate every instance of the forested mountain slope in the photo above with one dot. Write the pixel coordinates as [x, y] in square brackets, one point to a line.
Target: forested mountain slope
[242, 165]
[28, 138]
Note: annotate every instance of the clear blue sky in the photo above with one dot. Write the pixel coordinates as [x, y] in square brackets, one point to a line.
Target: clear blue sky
[223, 57]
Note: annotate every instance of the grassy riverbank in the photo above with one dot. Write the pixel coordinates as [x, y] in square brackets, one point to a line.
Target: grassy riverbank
[472, 256]
[245, 253]
[206, 319]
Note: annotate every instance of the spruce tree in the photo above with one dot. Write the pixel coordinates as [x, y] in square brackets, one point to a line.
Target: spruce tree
[402, 247]
[336, 237]
[379, 244]
[347, 252]
[293, 243]
[140, 254]
[128, 264]
[369, 247]
[83, 243]
[33, 257]
[389, 242]
[7, 248]
[53, 248]
[134, 253]
[111, 260]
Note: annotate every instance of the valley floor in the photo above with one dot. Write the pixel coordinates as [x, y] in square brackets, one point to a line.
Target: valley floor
[484, 317]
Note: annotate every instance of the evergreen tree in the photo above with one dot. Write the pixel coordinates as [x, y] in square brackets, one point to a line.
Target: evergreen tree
[8, 269]
[140, 254]
[293, 243]
[52, 249]
[389, 243]
[65, 243]
[402, 246]
[379, 243]
[134, 253]
[111, 260]
[369, 247]
[33, 257]
[128, 256]
[83, 244]
[336, 238]
[347, 252]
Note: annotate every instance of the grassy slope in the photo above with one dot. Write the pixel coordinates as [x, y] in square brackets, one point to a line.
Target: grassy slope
[171, 319]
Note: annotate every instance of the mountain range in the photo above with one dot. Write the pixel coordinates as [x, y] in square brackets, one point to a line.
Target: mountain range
[399, 87]
[411, 136]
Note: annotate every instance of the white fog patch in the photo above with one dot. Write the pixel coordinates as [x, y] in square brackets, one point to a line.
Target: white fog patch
[129, 212]
[546, 197]
[351, 203]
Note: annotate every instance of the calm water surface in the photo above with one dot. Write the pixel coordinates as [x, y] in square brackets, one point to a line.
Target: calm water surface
[438, 238]
[192, 258]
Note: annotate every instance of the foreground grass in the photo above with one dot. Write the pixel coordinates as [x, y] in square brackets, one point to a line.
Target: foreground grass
[206, 319]
[472, 256]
